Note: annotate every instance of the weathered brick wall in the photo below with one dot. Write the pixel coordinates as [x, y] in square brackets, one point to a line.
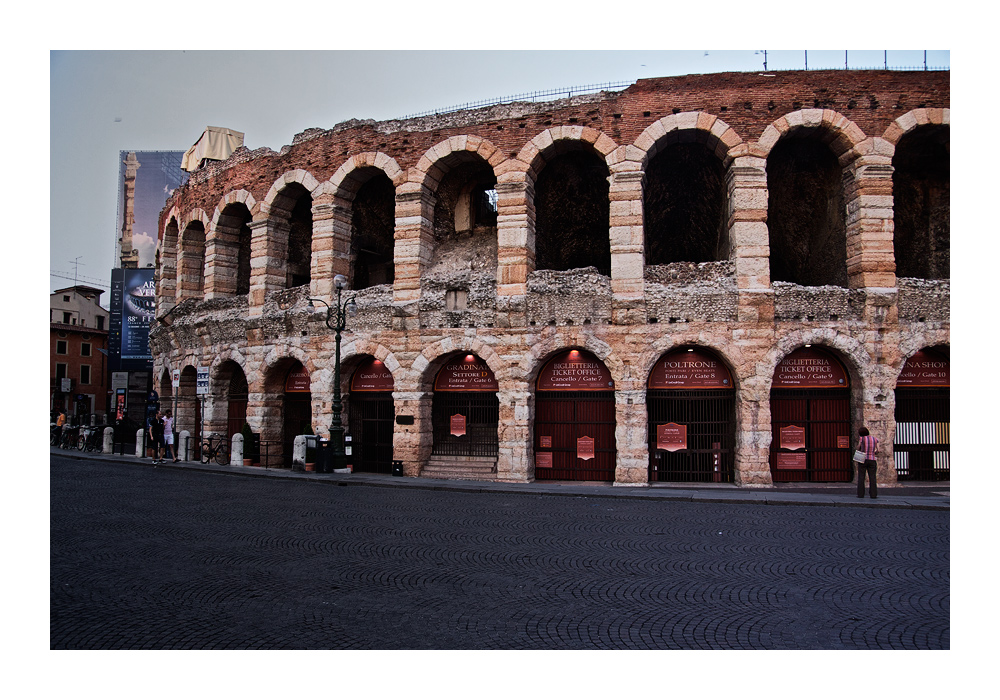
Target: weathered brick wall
[514, 316]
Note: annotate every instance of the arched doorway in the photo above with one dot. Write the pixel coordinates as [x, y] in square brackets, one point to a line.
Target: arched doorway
[575, 419]
[233, 382]
[297, 410]
[466, 412]
[691, 404]
[811, 419]
[371, 418]
[189, 412]
[921, 448]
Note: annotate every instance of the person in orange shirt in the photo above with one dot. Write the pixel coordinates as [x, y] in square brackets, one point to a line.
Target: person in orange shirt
[60, 422]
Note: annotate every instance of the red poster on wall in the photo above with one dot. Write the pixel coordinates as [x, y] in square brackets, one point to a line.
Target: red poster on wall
[372, 376]
[585, 447]
[671, 437]
[809, 368]
[690, 368]
[543, 460]
[925, 369]
[466, 373]
[790, 460]
[458, 424]
[793, 437]
[575, 370]
[545, 441]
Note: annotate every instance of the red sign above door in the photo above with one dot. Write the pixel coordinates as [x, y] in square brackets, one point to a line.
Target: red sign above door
[575, 370]
[372, 376]
[925, 369]
[809, 368]
[466, 373]
[297, 381]
[690, 369]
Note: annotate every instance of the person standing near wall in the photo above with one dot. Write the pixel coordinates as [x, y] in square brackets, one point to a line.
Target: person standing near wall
[869, 445]
[168, 435]
[156, 436]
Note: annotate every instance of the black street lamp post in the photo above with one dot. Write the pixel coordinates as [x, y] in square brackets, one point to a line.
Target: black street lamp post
[336, 321]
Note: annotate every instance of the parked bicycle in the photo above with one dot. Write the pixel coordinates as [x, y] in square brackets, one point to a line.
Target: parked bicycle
[70, 434]
[91, 439]
[210, 451]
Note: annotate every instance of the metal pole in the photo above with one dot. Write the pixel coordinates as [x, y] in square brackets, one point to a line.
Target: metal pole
[339, 459]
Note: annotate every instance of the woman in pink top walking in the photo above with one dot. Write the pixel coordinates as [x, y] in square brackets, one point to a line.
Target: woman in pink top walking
[869, 445]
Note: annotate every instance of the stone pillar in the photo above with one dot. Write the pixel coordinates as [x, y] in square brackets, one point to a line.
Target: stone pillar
[166, 283]
[191, 263]
[631, 438]
[515, 240]
[746, 180]
[331, 246]
[515, 458]
[753, 436]
[265, 274]
[412, 442]
[868, 195]
[627, 247]
[413, 251]
[108, 447]
[222, 251]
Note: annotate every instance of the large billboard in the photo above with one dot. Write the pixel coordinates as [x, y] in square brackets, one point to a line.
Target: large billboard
[145, 180]
[133, 305]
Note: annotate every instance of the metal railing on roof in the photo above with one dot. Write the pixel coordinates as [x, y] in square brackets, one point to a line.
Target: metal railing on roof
[556, 93]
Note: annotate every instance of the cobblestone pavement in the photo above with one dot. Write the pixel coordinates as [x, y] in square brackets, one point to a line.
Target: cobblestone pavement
[153, 558]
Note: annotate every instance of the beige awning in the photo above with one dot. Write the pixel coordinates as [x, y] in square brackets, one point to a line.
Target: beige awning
[216, 143]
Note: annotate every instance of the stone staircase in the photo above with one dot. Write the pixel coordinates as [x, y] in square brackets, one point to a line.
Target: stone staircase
[460, 467]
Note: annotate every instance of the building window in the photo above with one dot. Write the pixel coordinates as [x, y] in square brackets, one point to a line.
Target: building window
[84, 349]
[67, 316]
[62, 347]
[65, 297]
[100, 323]
[60, 372]
[84, 374]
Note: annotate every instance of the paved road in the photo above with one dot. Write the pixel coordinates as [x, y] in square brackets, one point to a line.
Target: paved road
[154, 558]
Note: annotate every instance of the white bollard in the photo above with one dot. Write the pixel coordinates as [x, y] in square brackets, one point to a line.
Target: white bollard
[109, 441]
[140, 443]
[183, 445]
[236, 451]
[299, 452]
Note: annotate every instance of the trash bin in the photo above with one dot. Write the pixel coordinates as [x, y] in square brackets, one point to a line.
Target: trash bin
[397, 467]
[323, 456]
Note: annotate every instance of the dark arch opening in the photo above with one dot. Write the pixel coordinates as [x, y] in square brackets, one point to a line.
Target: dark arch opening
[921, 188]
[684, 203]
[805, 212]
[573, 213]
[373, 223]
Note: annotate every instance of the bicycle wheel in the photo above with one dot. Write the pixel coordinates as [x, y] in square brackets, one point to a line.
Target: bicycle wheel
[222, 456]
[206, 453]
[54, 440]
[81, 442]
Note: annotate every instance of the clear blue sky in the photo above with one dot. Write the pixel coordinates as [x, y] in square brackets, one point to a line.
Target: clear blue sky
[103, 102]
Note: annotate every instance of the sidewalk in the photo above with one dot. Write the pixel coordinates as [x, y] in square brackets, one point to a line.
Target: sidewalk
[919, 495]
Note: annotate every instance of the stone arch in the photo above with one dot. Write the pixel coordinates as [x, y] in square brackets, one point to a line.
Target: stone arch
[339, 222]
[808, 154]
[535, 358]
[298, 176]
[167, 263]
[579, 234]
[683, 196]
[939, 116]
[852, 352]
[228, 249]
[424, 369]
[842, 137]
[441, 157]
[707, 128]
[666, 343]
[191, 255]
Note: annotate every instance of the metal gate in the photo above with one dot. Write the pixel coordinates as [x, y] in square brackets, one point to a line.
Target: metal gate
[371, 420]
[561, 418]
[709, 416]
[921, 448]
[297, 421]
[481, 411]
[825, 414]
